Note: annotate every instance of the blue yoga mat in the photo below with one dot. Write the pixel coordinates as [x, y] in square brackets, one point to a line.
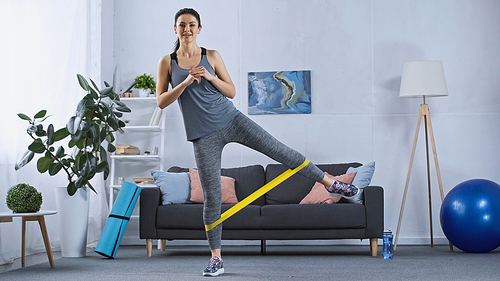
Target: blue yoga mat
[118, 219]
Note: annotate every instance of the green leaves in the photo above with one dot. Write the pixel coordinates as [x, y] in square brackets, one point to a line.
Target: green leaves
[24, 116]
[24, 198]
[50, 135]
[73, 124]
[41, 114]
[145, 82]
[71, 188]
[113, 123]
[103, 167]
[87, 165]
[107, 91]
[54, 168]
[60, 152]
[111, 147]
[37, 146]
[96, 119]
[83, 82]
[43, 164]
[61, 134]
[122, 107]
[25, 158]
[85, 105]
[95, 134]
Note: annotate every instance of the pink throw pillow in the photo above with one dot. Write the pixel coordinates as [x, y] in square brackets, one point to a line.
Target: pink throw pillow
[319, 195]
[227, 183]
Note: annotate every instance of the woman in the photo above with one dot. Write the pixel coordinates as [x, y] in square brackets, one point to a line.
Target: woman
[202, 86]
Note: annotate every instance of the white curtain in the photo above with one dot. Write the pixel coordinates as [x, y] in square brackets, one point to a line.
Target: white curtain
[44, 44]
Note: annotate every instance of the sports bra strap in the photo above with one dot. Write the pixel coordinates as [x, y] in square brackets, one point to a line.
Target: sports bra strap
[173, 56]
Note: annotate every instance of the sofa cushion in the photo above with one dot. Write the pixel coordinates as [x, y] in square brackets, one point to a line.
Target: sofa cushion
[290, 191]
[174, 186]
[338, 169]
[227, 187]
[295, 188]
[190, 216]
[319, 194]
[248, 180]
[362, 179]
[313, 216]
[177, 169]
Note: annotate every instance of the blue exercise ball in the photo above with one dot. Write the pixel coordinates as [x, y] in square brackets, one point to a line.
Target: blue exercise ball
[470, 216]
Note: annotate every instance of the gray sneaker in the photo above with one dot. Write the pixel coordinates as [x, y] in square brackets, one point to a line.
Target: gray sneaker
[215, 267]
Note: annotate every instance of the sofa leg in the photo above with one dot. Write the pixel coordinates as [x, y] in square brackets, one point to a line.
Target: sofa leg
[373, 246]
[149, 246]
[262, 246]
[162, 244]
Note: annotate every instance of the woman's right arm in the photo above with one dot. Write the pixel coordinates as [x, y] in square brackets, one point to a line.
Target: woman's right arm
[165, 97]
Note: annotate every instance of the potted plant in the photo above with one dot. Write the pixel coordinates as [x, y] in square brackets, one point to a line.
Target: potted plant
[96, 118]
[146, 85]
[24, 198]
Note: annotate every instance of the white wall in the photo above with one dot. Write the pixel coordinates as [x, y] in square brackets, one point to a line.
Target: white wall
[356, 51]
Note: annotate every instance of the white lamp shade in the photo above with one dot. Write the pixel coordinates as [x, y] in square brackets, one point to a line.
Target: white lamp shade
[423, 79]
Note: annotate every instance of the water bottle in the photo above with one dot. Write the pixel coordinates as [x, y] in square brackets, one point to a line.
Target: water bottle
[388, 249]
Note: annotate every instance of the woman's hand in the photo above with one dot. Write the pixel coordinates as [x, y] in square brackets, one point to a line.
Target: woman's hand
[191, 78]
[201, 72]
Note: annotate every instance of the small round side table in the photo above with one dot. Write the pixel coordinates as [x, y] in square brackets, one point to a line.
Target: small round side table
[38, 216]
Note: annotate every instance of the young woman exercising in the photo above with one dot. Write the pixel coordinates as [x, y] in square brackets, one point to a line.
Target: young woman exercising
[203, 87]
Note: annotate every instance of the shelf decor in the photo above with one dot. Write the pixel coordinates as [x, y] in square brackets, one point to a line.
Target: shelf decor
[146, 85]
[123, 149]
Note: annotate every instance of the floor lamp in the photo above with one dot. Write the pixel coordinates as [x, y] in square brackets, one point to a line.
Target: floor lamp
[422, 79]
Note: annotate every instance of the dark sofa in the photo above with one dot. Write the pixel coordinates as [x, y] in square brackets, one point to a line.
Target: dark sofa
[274, 216]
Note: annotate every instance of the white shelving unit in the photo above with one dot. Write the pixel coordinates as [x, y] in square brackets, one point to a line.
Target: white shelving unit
[137, 133]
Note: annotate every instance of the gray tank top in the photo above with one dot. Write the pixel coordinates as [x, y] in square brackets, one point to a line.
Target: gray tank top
[204, 108]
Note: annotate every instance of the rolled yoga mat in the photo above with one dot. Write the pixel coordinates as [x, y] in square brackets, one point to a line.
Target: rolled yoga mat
[118, 219]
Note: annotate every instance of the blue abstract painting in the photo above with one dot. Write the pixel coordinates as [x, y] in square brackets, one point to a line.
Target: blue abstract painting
[279, 92]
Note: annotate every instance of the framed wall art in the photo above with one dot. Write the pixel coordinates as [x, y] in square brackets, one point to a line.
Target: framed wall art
[279, 92]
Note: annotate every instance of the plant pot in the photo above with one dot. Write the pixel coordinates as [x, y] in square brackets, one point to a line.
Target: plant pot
[73, 212]
[144, 93]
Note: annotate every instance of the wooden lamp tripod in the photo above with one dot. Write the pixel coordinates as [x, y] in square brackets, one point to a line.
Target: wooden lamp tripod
[423, 79]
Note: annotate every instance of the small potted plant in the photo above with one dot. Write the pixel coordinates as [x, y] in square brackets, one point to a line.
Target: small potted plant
[146, 85]
[24, 198]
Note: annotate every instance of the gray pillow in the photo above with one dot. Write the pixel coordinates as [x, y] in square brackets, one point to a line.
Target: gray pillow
[175, 187]
[362, 179]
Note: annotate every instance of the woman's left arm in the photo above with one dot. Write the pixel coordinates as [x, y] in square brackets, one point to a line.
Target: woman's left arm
[222, 81]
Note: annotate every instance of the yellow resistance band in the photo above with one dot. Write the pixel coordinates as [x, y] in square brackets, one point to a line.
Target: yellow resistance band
[258, 193]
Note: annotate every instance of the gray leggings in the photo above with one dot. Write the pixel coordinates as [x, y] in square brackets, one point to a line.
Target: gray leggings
[208, 152]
